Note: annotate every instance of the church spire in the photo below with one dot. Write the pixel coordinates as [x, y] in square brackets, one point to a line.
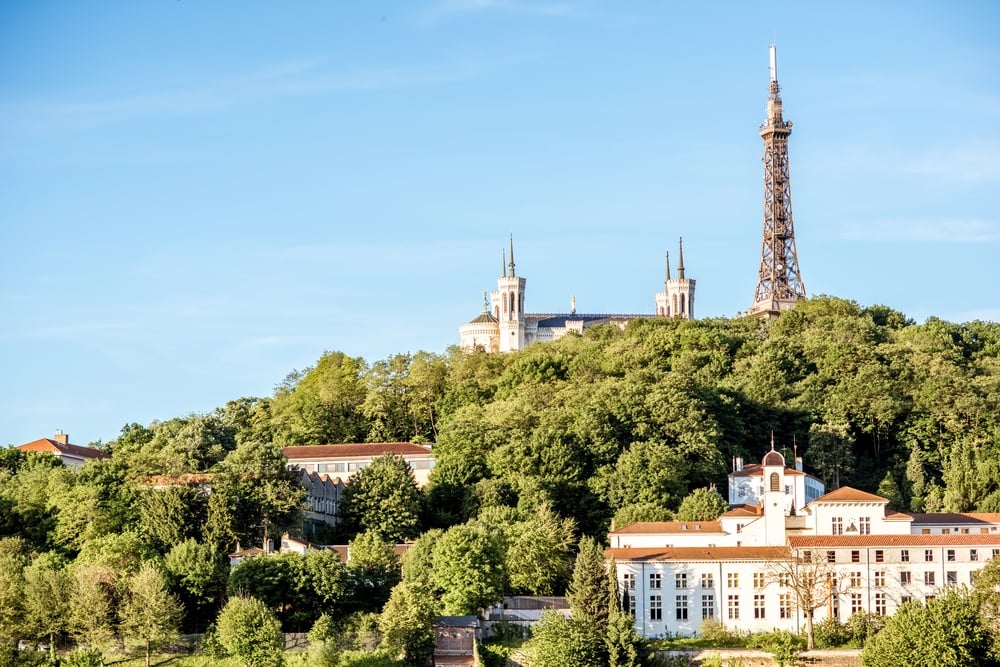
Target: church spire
[503, 262]
[666, 286]
[680, 260]
[512, 274]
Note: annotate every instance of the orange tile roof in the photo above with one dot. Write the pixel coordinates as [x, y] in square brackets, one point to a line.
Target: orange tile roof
[970, 539]
[55, 447]
[849, 494]
[954, 517]
[624, 554]
[355, 450]
[655, 527]
[742, 511]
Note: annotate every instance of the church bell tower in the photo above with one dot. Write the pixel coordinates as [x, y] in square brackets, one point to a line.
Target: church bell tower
[508, 306]
[677, 297]
[779, 284]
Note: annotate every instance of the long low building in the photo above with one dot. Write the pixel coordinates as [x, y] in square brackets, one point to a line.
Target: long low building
[345, 460]
[751, 568]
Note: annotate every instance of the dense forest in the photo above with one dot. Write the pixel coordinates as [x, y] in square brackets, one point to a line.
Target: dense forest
[534, 450]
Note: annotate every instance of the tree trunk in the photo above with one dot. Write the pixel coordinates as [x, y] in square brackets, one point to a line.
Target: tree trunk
[810, 644]
[147, 652]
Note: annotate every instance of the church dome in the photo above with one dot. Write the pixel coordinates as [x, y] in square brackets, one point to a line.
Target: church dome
[484, 318]
[773, 458]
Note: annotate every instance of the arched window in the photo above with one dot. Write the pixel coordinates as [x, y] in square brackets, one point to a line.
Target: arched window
[675, 303]
[683, 310]
[775, 482]
[505, 310]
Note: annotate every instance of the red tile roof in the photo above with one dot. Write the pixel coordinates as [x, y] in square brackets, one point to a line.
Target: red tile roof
[55, 447]
[356, 450]
[624, 554]
[742, 511]
[849, 494]
[656, 527]
[955, 517]
[971, 539]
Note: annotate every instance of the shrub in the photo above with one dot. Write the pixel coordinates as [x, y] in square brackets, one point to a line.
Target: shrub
[781, 644]
[718, 634]
[861, 626]
[831, 633]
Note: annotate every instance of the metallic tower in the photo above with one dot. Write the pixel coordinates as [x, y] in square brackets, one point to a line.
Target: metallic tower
[779, 285]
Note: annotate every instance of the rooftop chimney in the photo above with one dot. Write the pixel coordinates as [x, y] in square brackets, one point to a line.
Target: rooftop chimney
[61, 438]
[798, 463]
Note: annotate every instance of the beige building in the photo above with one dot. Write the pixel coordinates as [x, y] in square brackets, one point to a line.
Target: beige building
[504, 326]
[345, 460]
[59, 446]
[735, 569]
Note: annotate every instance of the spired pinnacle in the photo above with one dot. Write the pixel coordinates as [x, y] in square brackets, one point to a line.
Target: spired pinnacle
[665, 282]
[503, 262]
[680, 260]
[512, 274]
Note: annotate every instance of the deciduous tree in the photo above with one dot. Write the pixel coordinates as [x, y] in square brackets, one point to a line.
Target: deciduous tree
[248, 630]
[150, 613]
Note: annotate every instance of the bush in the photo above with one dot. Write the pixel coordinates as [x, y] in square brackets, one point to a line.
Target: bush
[83, 657]
[250, 631]
[831, 633]
[781, 644]
[718, 634]
[863, 625]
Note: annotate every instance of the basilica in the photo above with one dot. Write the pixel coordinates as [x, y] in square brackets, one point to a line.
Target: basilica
[504, 326]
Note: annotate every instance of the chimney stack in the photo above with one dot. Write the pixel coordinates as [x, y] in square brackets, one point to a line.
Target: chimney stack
[61, 438]
[798, 463]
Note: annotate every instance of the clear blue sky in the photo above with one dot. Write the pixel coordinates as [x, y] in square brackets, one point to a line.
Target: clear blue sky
[198, 197]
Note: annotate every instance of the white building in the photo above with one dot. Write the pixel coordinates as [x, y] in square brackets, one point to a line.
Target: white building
[504, 326]
[746, 485]
[344, 460]
[874, 560]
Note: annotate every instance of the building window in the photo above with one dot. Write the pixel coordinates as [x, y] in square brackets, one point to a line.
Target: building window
[707, 581]
[831, 556]
[951, 555]
[855, 603]
[838, 525]
[807, 556]
[928, 555]
[904, 578]
[628, 580]
[951, 578]
[865, 526]
[681, 604]
[733, 579]
[855, 579]
[903, 599]
[631, 604]
[996, 552]
[655, 580]
[733, 607]
[880, 578]
[880, 604]
[855, 556]
[708, 606]
[681, 580]
[758, 580]
[879, 556]
[784, 579]
[655, 608]
[785, 605]
[929, 578]
[973, 555]
[758, 606]
[904, 556]
[775, 482]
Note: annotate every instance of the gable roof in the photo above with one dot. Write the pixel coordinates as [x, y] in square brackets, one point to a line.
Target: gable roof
[355, 450]
[58, 448]
[656, 527]
[757, 470]
[849, 494]
[624, 554]
[955, 517]
[904, 540]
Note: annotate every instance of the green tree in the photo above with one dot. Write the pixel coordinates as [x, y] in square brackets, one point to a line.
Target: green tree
[468, 566]
[93, 604]
[705, 504]
[558, 641]
[323, 404]
[197, 574]
[263, 496]
[889, 489]
[171, 515]
[589, 591]
[47, 589]
[407, 622]
[373, 570]
[830, 452]
[540, 555]
[947, 631]
[12, 564]
[248, 630]
[383, 498]
[418, 560]
[150, 613]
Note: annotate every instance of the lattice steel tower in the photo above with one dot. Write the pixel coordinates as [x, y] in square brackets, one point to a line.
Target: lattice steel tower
[779, 286]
